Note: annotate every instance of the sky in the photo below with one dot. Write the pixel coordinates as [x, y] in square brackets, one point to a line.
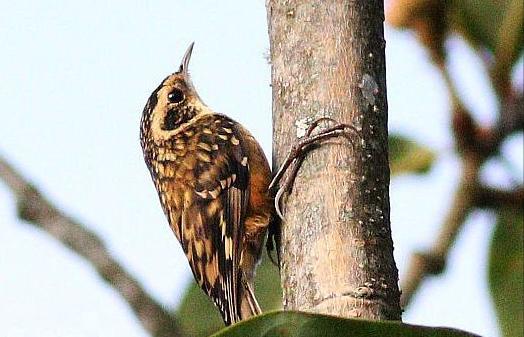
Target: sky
[75, 78]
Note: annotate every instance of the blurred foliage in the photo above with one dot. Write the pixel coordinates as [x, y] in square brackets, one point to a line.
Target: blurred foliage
[489, 24]
[493, 28]
[199, 317]
[299, 324]
[475, 20]
[484, 24]
[406, 156]
[506, 271]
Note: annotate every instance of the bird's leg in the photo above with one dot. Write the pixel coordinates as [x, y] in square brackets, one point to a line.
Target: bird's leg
[298, 151]
[292, 155]
[273, 240]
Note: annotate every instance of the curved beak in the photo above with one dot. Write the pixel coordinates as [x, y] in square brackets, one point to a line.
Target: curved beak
[185, 60]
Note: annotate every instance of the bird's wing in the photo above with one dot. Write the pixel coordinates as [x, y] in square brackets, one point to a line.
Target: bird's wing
[212, 221]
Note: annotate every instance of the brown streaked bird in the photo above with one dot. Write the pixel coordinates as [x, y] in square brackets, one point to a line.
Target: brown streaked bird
[212, 179]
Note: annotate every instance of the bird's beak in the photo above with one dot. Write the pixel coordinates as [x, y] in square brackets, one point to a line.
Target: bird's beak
[185, 60]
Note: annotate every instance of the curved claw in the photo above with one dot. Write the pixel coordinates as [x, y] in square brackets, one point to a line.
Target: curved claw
[276, 178]
[278, 196]
[287, 162]
[314, 125]
[347, 128]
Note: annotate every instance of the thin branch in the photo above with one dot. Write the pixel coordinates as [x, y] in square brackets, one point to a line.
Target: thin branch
[468, 196]
[489, 197]
[474, 144]
[511, 118]
[34, 208]
[487, 141]
[433, 261]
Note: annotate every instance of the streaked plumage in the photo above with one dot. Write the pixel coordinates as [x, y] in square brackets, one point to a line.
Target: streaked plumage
[212, 180]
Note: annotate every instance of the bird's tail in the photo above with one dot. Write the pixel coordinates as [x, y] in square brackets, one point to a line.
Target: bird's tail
[248, 302]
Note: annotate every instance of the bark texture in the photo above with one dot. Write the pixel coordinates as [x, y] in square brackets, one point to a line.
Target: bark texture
[336, 254]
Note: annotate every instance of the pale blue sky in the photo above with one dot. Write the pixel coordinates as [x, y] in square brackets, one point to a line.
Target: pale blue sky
[75, 78]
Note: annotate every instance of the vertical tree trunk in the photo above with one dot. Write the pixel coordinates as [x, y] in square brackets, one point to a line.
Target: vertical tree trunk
[337, 254]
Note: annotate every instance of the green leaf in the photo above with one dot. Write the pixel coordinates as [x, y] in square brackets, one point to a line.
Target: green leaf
[493, 25]
[506, 270]
[406, 156]
[299, 324]
[475, 20]
[199, 317]
[510, 39]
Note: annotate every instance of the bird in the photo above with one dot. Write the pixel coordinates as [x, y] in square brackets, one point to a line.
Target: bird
[212, 179]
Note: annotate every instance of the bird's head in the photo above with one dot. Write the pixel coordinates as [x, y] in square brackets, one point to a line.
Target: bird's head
[173, 103]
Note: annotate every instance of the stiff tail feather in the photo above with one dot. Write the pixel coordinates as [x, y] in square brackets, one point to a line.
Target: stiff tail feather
[248, 306]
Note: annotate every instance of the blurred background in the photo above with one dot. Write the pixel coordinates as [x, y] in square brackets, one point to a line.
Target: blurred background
[75, 78]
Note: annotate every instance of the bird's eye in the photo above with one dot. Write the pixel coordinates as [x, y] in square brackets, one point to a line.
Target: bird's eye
[175, 96]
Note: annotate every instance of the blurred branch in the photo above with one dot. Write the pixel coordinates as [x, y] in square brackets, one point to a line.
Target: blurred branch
[511, 118]
[474, 144]
[487, 141]
[34, 208]
[431, 21]
[427, 18]
[433, 261]
[507, 49]
[489, 197]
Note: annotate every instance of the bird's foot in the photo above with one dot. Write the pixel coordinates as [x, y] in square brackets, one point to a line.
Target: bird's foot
[298, 152]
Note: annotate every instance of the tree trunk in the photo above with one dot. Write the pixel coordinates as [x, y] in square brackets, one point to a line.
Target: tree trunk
[336, 252]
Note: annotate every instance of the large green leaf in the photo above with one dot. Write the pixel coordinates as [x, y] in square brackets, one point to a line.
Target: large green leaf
[506, 270]
[406, 156]
[297, 324]
[199, 317]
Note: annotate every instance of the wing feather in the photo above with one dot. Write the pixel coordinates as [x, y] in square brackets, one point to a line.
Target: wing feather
[212, 225]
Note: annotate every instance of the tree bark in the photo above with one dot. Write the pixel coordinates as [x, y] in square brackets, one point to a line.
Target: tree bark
[336, 250]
